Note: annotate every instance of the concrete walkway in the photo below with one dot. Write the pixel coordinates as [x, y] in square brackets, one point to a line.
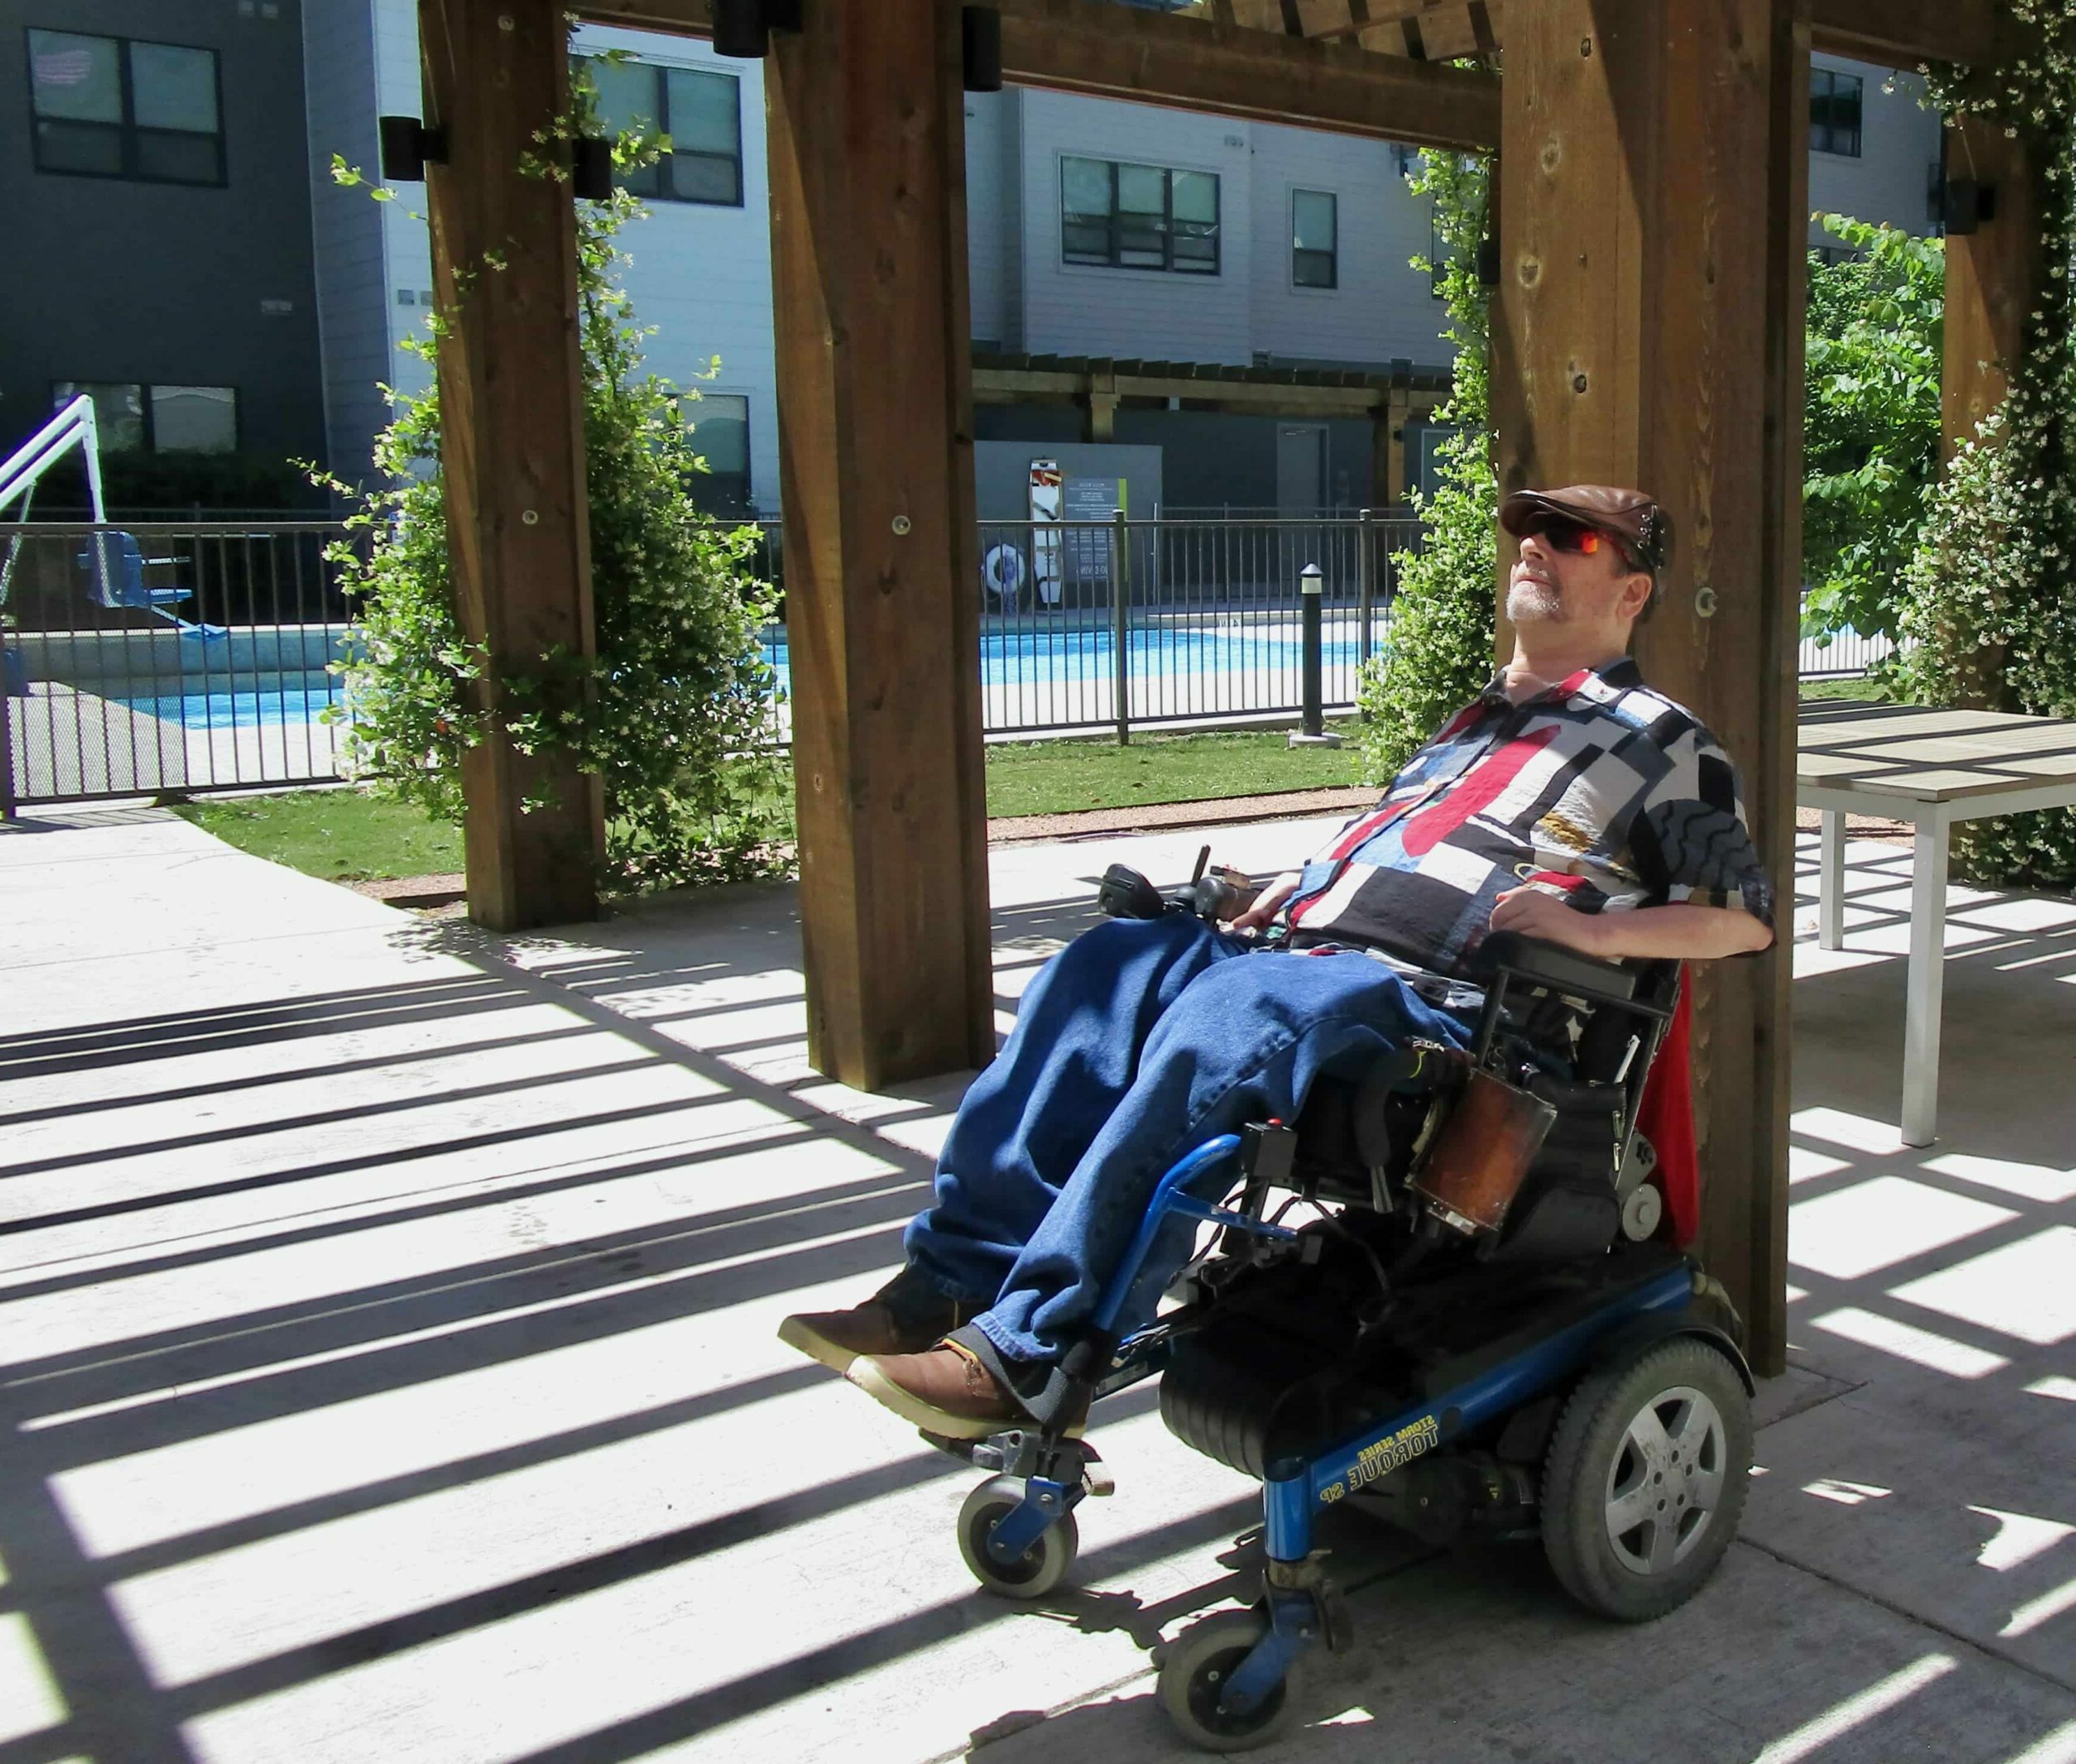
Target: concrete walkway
[386, 1370]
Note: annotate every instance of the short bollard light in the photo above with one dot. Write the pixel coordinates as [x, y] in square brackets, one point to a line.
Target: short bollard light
[1311, 730]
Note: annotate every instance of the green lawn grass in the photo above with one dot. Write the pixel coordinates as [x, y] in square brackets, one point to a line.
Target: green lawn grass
[342, 835]
[1060, 777]
[1868, 689]
[347, 835]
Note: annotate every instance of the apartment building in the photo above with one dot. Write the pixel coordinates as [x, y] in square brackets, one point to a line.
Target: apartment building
[158, 243]
[189, 237]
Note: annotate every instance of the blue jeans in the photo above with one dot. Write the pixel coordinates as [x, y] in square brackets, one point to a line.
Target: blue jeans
[1140, 1040]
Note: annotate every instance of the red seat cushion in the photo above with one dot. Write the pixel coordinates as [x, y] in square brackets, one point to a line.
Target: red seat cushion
[1666, 1119]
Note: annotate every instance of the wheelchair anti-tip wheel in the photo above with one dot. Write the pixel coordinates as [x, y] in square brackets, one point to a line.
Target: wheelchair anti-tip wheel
[1646, 1479]
[1193, 1677]
[1040, 1569]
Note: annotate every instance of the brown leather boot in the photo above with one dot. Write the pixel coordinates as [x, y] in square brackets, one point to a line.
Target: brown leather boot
[946, 1392]
[900, 1318]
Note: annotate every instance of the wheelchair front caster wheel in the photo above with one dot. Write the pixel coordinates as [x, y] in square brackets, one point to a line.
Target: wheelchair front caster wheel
[1040, 1569]
[1193, 1678]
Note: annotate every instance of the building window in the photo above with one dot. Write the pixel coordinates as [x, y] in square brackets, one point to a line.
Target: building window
[107, 107]
[1138, 217]
[119, 411]
[719, 423]
[194, 419]
[1834, 112]
[165, 419]
[1315, 239]
[699, 113]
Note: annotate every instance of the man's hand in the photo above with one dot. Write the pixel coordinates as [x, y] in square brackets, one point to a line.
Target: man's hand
[1536, 912]
[1268, 903]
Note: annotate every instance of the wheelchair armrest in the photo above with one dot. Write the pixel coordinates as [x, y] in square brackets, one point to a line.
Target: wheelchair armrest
[1553, 965]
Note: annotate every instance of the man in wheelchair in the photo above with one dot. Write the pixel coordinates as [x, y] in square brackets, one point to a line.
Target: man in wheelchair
[1569, 804]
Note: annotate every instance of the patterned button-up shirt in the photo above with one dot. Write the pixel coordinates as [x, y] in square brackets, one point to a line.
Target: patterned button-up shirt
[1598, 789]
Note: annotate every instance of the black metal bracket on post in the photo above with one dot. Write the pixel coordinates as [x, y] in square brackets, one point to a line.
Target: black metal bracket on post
[981, 48]
[1967, 205]
[407, 147]
[591, 169]
[742, 29]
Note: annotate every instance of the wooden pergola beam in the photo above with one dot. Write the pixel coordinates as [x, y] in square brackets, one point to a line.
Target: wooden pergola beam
[1190, 63]
[1020, 386]
[1228, 70]
[1901, 33]
[1890, 33]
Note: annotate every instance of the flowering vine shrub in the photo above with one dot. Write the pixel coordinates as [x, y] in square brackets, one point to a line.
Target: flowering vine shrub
[1870, 421]
[1989, 593]
[675, 712]
[1438, 653]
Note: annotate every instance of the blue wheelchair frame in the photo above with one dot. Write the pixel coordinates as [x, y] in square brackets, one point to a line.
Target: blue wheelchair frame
[1297, 1490]
[1659, 1296]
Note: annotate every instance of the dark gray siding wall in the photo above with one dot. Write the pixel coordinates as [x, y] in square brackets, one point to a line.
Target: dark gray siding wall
[162, 284]
[352, 283]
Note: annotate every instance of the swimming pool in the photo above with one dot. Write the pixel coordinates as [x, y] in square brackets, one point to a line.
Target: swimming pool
[1061, 653]
[262, 706]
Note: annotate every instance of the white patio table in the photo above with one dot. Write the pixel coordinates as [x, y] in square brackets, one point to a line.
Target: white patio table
[1931, 768]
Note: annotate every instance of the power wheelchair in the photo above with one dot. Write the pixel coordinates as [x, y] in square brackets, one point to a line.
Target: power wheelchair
[1482, 1328]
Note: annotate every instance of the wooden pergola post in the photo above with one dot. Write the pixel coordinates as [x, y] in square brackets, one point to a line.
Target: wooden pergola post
[1648, 332]
[511, 434]
[866, 117]
[1992, 276]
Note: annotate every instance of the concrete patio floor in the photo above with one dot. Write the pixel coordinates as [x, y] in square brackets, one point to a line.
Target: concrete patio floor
[387, 1368]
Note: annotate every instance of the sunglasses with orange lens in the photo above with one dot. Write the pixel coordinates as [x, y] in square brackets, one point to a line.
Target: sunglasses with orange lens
[1576, 537]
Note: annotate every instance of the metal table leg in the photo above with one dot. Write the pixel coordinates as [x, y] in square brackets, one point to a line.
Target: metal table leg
[1926, 983]
[1831, 882]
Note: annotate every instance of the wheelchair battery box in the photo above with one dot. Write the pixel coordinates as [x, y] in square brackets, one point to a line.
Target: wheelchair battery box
[1481, 1153]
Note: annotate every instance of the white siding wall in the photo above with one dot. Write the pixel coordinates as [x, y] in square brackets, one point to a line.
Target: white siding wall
[1382, 308]
[346, 230]
[1074, 309]
[1007, 173]
[1900, 142]
[990, 222]
[701, 275]
[407, 249]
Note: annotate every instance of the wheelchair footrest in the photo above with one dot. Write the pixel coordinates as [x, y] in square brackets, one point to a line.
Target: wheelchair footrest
[1027, 1452]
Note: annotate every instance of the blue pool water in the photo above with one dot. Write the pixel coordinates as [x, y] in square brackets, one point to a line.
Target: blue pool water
[1063, 653]
[1041, 653]
[265, 707]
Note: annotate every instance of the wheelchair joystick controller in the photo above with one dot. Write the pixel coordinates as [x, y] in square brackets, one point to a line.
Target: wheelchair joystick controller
[1215, 893]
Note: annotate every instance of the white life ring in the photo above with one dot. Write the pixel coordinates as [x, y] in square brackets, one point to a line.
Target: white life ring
[1004, 572]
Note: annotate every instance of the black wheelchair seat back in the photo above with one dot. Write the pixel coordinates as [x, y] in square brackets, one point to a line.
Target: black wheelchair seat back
[1361, 1133]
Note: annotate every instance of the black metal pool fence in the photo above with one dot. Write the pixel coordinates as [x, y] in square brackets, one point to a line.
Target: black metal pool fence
[149, 659]
[179, 657]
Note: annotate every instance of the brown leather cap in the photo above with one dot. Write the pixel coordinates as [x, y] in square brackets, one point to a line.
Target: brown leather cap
[1630, 518]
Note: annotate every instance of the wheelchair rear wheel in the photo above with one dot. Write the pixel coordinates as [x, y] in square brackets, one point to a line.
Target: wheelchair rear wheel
[1040, 1569]
[1646, 1479]
[1199, 1662]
